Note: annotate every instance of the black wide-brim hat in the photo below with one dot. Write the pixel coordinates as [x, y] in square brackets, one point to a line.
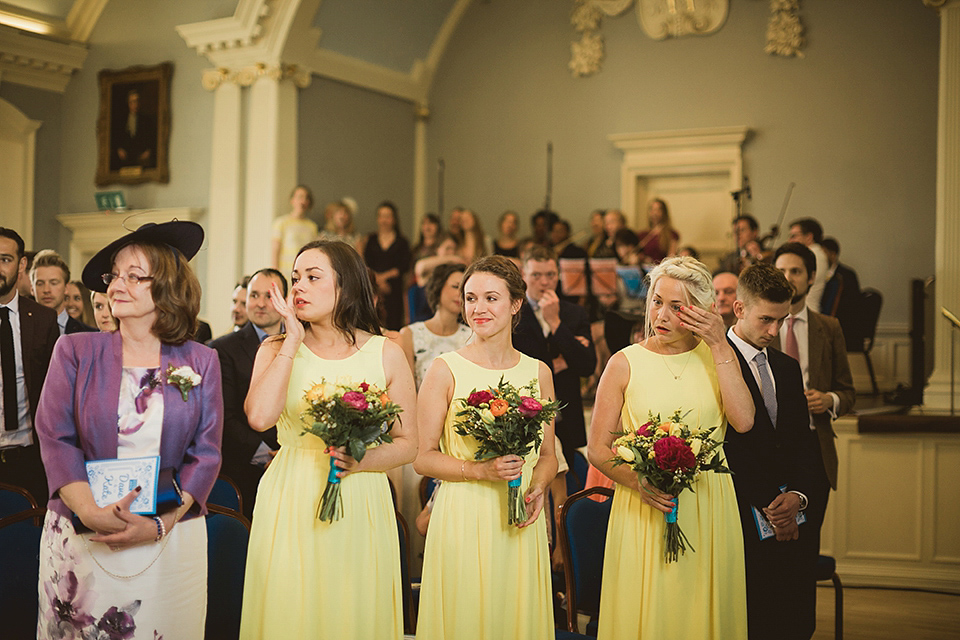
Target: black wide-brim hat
[182, 235]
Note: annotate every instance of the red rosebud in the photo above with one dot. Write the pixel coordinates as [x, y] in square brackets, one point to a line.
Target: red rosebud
[364, 386]
[529, 407]
[643, 431]
[673, 454]
[356, 400]
[477, 398]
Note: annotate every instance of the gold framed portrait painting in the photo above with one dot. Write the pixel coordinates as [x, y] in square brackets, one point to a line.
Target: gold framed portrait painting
[133, 128]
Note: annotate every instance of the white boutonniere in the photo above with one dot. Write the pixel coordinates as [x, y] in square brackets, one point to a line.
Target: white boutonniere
[184, 378]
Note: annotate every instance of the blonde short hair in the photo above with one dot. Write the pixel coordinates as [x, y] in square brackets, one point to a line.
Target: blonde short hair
[692, 274]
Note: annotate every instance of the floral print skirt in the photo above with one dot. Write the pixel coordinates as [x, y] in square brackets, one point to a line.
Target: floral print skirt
[149, 596]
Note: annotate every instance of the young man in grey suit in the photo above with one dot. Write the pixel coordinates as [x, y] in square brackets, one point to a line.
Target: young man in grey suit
[246, 453]
[816, 341]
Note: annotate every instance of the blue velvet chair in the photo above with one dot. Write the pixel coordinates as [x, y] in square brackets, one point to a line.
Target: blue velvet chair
[228, 533]
[583, 535]
[20, 559]
[225, 494]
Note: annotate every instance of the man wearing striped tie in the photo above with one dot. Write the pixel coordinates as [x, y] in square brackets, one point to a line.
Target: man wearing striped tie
[773, 465]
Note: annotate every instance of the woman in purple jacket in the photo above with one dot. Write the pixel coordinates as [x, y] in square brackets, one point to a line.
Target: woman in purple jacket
[142, 390]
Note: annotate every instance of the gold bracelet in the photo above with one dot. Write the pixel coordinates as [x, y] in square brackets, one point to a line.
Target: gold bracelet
[284, 355]
[462, 475]
[725, 362]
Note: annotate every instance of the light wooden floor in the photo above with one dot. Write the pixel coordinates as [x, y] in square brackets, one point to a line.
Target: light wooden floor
[882, 614]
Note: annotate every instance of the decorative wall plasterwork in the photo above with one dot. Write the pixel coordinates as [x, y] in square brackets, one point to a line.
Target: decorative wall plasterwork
[785, 31]
[662, 19]
[659, 19]
[246, 76]
[675, 18]
[38, 62]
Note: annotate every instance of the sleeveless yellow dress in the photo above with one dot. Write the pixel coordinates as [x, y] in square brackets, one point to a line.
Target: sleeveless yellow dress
[703, 594]
[311, 579]
[483, 579]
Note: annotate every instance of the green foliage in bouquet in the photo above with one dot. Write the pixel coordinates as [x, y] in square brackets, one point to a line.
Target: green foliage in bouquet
[346, 416]
[671, 455]
[505, 421]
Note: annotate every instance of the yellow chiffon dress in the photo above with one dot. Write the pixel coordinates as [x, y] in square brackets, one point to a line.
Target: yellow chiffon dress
[703, 594]
[311, 579]
[483, 579]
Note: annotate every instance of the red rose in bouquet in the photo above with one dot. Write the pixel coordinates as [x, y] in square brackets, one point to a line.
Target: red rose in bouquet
[673, 454]
[478, 398]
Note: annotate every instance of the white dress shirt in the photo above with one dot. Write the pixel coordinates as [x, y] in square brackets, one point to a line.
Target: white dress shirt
[23, 436]
[801, 329]
[749, 352]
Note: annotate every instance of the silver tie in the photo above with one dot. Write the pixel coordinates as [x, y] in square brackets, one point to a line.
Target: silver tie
[766, 387]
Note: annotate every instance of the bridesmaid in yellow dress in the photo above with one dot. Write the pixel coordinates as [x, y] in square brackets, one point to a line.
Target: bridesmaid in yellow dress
[684, 363]
[306, 578]
[484, 579]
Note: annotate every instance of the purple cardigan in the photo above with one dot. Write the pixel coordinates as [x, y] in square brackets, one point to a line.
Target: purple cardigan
[77, 415]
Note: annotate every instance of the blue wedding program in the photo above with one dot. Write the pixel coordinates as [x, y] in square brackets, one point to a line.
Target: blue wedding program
[110, 480]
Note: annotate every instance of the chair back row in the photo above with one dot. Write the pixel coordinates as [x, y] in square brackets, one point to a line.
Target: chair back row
[583, 536]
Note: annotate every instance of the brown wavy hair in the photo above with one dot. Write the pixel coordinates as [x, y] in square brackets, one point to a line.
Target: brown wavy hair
[503, 268]
[354, 308]
[175, 291]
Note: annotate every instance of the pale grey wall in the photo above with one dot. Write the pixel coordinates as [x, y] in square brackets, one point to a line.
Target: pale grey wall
[853, 123]
[356, 143]
[129, 33]
[46, 107]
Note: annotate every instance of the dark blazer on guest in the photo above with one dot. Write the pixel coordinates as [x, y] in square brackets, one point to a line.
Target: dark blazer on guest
[39, 333]
[781, 584]
[75, 326]
[581, 361]
[237, 351]
[77, 416]
[829, 370]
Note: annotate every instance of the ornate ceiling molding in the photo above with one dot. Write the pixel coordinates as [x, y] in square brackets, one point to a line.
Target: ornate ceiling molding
[38, 62]
[241, 30]
[83, 18]
[246, 76]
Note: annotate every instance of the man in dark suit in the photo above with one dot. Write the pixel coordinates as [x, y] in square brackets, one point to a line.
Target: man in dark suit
[818, 345]
[49, 276]
[28, 333]
[134, 137]
[842, 295]
[246, 453]
[558, 333]
[772, 465]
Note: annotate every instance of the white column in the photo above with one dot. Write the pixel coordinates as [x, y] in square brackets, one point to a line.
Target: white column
[271, 164]
[947, 256]
[224, 218]
[422, 113]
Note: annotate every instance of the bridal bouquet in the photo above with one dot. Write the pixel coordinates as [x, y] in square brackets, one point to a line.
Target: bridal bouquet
[351, 416]
[670, 455]
[505, 421]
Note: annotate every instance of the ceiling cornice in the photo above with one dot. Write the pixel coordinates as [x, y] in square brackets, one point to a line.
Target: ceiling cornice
[38, 62]
[83, 18]
[255, 34]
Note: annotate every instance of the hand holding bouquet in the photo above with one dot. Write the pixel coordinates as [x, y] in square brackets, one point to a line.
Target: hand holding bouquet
[354, 417]
[670, 455]
[506, 421]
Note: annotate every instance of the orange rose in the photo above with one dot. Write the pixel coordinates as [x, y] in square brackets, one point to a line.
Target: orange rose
[498, 407]
[384, 398]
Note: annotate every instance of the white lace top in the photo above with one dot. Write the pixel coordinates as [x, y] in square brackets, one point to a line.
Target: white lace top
[428, 345]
